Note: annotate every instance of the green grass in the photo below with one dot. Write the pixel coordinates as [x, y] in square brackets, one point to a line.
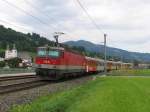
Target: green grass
[105, 94]
[132, 72]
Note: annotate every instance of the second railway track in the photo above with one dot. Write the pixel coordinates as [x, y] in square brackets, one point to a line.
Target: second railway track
[21, 86]
[10, 84]
[7, 78]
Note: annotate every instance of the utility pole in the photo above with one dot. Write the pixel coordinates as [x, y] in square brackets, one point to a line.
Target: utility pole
[121, 60]
[56, 36]
[105, 55]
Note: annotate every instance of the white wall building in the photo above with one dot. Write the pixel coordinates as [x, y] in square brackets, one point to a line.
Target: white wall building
[11, 53]
[1, 59]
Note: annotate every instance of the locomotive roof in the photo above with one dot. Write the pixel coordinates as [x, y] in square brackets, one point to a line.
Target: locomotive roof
[57, 48]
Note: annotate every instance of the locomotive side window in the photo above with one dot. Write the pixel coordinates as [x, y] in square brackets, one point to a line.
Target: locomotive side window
[53, 53]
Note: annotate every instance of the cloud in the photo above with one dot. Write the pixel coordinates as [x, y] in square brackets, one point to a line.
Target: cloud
[125, 21]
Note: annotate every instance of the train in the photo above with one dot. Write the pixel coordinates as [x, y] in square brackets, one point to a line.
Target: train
[54, 63]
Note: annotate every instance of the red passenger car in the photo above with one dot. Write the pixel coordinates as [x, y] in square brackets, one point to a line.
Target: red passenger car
[91, 65]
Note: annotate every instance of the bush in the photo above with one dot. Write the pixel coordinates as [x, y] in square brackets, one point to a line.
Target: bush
[14, 63]
[2, 63]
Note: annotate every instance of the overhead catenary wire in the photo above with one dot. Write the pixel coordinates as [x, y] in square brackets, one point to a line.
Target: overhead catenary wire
[100, 30]
[46, 15]
[13, 25]
[38, 19]
[27, 13]
[39, 10]
[90, 17]
[20, 27]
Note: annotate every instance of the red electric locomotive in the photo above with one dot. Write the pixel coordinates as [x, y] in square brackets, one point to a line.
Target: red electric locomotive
[54, 63]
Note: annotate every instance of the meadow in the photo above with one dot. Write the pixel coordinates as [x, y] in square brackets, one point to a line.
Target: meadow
[104, 94]
[131, 72]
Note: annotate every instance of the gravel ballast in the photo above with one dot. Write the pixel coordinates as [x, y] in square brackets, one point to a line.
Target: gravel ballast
[26, 96]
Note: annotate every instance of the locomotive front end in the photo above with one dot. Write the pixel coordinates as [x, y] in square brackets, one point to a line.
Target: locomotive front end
[47, 61]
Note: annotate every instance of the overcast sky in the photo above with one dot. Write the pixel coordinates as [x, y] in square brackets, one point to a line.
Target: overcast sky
[127, 22]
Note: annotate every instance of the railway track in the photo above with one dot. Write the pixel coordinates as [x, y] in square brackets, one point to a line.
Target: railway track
[7, 78]
[21, 86]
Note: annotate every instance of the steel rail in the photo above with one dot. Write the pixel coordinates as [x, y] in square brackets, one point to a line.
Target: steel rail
[7, 78]
[21, 86]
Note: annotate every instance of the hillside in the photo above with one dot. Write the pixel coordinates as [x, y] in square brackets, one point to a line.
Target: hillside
[23, 42]
[125, 55]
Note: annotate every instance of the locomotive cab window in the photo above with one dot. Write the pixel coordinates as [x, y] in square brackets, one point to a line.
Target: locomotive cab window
[53, 53]
[41, 52]
[48, 52]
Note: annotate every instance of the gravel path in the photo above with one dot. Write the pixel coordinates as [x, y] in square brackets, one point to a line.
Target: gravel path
[26, 96]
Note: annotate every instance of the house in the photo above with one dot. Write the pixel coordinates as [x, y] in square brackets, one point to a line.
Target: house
[9, 54]
[1, 59]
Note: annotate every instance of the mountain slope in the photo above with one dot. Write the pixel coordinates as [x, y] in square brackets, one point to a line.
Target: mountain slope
[111, 51]
[23, 42]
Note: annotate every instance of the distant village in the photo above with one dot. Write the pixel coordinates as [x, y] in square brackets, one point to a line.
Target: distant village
[26, 59]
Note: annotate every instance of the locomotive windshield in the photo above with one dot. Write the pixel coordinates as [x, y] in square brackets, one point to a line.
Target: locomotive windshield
[41, 52]
[48, 52]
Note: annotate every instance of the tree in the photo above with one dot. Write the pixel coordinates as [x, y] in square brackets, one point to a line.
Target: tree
[2, 63]
[14, 63]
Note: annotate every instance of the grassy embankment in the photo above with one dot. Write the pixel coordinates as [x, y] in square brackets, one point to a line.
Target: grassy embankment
[134, 72]
[105, 94]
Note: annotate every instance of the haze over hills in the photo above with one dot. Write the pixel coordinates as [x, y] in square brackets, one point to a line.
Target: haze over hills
[89, 46]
